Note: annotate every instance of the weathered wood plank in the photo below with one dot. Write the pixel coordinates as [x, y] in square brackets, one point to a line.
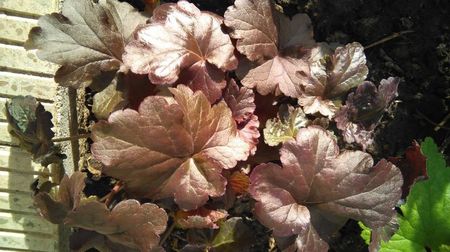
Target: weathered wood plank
[29, 7]
[48, 106]
[26, 223]
[15, 28]
[17, 159]
[23, 84]
[27, 241]
[5, 137]
[12, 181]
[16, 57]
[17, 202]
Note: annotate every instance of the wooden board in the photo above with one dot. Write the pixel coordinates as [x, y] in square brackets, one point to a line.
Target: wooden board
[22, 73]
[14, 28]
[12, 84]
[16, 58]
[29, 7]
[27, 242]
[16, 202]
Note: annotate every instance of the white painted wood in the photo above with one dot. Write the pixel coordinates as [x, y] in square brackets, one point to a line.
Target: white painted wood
[12, 84]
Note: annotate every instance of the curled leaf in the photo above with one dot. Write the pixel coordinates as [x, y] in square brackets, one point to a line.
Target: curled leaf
[332, 76]
[87, 39]
[309, 240]
[364, 109]
[181, 147]
[107, 101]
[241, 101]
[185, 45]
[32, 125]
[264, 36]
[285, 126]
[129, 223]
[69, 196]
[321, 187]
[199, 218]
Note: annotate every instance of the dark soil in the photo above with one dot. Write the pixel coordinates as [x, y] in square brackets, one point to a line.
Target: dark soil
[420, 56]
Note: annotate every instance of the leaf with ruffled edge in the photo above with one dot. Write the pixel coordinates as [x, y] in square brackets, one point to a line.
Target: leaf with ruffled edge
[363, 110]
[265, 37]
[87, 39]
[175, 149]
[285, 126]
[185, 45]
[241, 101]
[333, 75]
[318, 186]
[199, 218]
[129, 223]
[32, 125]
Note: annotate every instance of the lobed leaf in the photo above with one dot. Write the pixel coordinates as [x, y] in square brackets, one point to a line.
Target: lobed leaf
[32, 125]
[309, 240]
[264, 36]
[285, 126]
[241, 101]
[364, 109]
[318, 186]
[199, 218]
[185, 45]
[181, 147]
[129, 223]
[332, 76]
[87, 39]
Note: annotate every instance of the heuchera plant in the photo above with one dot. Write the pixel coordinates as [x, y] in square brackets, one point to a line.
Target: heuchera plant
[177, 140]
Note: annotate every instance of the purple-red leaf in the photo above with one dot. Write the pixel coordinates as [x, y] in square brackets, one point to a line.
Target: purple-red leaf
[364, 109]
[332, 76]
[316, 180]
[129, 223]
[241, 101]
[185, 45]
[171, 147]
[412, 166]
[265, 36]
[87, 39]
[69, 196]
[199, 218]
[307, 241]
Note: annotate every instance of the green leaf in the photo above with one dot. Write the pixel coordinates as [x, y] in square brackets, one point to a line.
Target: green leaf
[108, 100]
[365, 233]
[285, 127]
[227, 232]
[425, 222]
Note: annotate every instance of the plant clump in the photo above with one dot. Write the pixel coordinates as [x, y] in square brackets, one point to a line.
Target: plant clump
[208, 128]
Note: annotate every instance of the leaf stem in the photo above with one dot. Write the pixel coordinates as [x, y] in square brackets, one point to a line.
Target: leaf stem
[442, 123]
[390, 37]
[438, 126]
[70, 138]
[167, 234]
